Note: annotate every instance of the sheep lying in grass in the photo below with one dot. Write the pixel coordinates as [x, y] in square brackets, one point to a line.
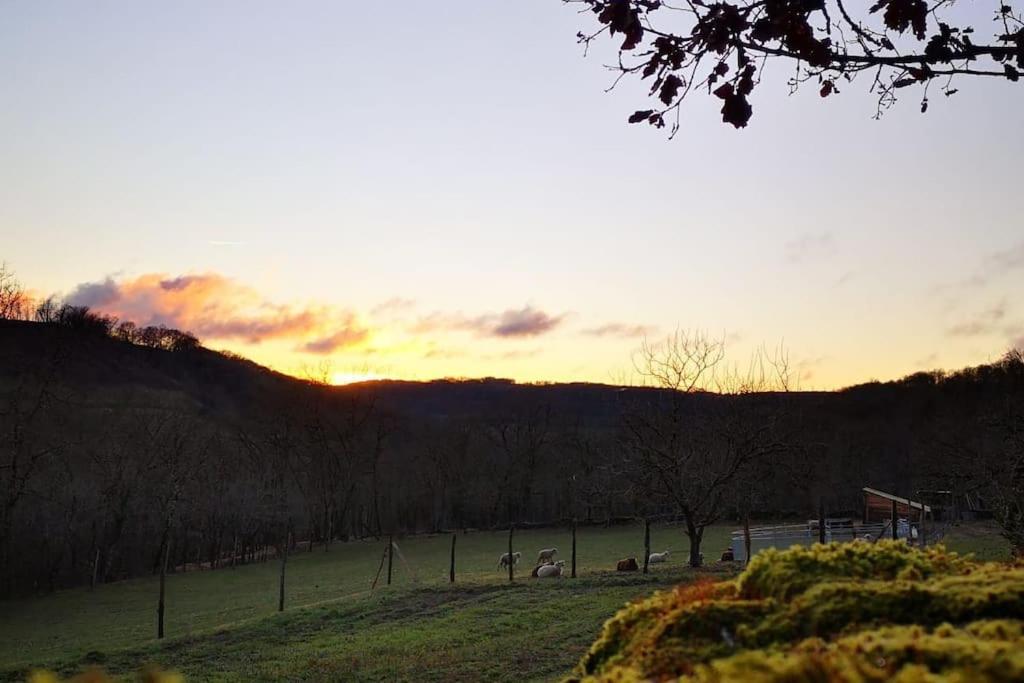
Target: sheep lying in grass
[547, 555]
[550, 571]
[655, 558]
[503, 562]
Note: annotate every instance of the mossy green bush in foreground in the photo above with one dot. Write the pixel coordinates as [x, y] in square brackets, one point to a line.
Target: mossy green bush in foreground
[148, 675]
[855, 612]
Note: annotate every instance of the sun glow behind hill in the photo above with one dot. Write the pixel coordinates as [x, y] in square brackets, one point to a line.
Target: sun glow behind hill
[353, 377]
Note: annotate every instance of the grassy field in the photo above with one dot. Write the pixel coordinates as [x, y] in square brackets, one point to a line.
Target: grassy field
[223, 625]
[81, 625]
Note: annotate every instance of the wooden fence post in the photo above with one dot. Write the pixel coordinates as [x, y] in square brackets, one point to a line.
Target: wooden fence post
[284, 563]
[391, 553]
[451, 568]
[511, 559]
[747, 544]
[647, 543]
[163, 583]
[573, 574]
[821, 521]
[895, 519]
[921, 532]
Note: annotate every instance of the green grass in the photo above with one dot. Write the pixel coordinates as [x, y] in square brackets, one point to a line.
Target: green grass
[980, 539]
[230, 611]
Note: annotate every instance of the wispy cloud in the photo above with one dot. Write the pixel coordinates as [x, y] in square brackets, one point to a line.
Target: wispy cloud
[393, 306]
[845, 278]
[1009, 259]
[349, 334]
[996, 264]
[622, 330]
[810, 246]
[808, 367]
[985, 322]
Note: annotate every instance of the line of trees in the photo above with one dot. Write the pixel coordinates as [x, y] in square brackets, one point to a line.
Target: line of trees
[99, 486]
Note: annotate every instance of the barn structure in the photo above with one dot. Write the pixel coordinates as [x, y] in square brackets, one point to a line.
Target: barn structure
[878, 507]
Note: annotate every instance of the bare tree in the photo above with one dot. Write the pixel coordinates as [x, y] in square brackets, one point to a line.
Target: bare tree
[689, 444]
[14, 301]
[520, 441]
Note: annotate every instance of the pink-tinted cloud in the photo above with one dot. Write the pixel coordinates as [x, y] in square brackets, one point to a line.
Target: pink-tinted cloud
[514, 323]
[526, 322]
[215, 307]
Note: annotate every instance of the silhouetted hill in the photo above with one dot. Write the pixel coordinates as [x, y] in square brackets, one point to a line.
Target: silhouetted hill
[229, 386]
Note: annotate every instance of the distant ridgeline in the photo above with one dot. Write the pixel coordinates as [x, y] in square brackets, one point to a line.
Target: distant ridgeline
[125, 441]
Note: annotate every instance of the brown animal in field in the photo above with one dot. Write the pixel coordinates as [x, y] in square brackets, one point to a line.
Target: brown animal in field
[727, 556]
[627, 565]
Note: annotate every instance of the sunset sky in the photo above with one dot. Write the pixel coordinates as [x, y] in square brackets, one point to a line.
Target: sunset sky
[417, 190]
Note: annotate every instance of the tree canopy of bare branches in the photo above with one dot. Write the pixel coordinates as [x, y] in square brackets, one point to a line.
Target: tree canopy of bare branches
[692, 444]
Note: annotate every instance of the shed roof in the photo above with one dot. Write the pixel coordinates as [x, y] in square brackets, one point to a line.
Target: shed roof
[903, 501]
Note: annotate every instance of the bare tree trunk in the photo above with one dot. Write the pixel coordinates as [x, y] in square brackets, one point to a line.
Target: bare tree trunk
[163, 584]
[284, 563]
[95, 569]
[696, 536]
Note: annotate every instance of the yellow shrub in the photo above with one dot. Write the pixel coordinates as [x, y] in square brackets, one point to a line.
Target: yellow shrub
[148, 675]
[854, 612]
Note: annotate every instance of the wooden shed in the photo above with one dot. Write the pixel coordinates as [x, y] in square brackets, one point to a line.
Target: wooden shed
[878, 507]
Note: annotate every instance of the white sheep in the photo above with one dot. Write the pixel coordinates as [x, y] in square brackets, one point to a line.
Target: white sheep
[503, 561]
[547, 555]
[550, 571]
[655, 558]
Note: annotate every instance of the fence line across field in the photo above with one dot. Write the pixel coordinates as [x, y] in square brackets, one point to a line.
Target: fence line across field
[758, 537]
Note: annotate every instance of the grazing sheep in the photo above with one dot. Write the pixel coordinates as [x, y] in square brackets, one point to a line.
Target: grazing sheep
[655, 558]
[547, 555]
[550, 571]
[728, 556]
[503, 562]
[627, 565]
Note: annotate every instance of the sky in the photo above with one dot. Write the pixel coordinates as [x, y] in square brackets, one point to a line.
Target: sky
[420, 190]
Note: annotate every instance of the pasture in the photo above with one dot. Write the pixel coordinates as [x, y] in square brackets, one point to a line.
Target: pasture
[223, 625]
